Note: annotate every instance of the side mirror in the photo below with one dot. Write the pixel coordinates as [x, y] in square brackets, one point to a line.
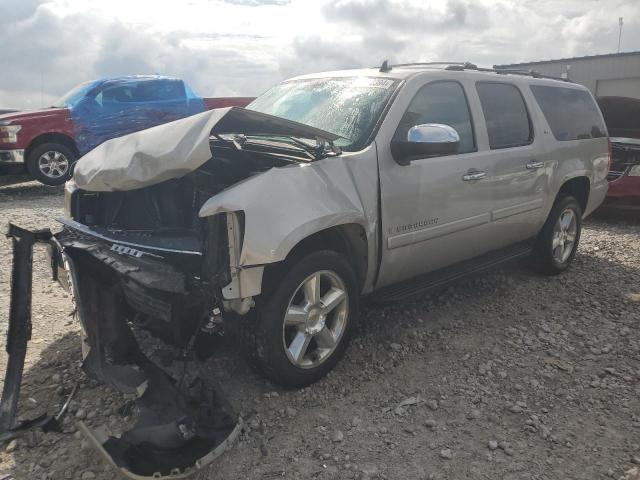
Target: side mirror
[425, 140]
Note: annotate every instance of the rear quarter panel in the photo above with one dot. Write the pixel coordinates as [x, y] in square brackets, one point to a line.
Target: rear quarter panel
[588, 158]
[571, 159]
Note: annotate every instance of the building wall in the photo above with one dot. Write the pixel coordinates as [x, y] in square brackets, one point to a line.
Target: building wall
[618, 87]
[610, 75]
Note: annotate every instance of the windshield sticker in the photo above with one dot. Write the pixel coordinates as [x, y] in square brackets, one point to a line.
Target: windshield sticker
[382, 83]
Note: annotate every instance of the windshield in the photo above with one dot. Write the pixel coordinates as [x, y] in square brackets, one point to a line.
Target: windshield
[347, 106]
[70, 98]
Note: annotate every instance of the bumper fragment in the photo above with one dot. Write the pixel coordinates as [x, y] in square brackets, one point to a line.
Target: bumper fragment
[19, 332]
[103, 443]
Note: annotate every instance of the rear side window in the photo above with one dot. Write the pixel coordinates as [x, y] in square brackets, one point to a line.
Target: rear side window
[572, 114]
[159, 90]
[440, 102]
[143, 91]
[505, 114]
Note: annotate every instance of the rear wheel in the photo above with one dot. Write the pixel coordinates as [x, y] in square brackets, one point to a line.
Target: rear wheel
[558, 240]
[50, 163]
[303, 328]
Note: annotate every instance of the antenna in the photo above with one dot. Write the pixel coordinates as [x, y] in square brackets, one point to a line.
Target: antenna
[385, 66]
[620, 23]
[41, 88]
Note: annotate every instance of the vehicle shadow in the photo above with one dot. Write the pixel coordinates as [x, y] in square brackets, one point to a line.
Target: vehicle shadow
[8, 179]
[608, 215]
[24, 186]
[469, 311]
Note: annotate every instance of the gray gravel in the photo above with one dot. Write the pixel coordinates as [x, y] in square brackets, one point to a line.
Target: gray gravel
[508, 376]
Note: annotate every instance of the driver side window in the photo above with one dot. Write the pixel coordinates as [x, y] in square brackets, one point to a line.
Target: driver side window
[440, 102]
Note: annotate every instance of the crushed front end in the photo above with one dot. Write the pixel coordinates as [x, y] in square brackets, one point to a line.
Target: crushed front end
[624, 174]
[164, 275]
[180, 427]
[138, 254]
[144, 259]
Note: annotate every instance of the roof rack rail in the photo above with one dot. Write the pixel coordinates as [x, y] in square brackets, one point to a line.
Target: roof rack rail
[419, 64]
[385, 67]
[461, 66]
[530, 73]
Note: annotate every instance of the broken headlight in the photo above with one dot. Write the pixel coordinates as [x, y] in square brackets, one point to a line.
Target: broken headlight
[70, 188]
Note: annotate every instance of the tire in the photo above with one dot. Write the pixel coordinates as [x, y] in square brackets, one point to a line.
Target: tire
[553, 251]
[59, 159]
[310, 326]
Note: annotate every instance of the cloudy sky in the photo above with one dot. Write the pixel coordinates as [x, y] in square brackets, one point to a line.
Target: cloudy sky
[241, 47]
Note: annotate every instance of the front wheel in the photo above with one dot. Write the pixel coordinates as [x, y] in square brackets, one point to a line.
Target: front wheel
[558, 240]
[50, 163]
[303, 328]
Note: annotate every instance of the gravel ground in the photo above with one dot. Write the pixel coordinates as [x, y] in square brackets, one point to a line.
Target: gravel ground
[508, 376]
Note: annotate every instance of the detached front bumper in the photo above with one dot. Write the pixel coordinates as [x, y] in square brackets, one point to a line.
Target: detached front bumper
[11, 157]
[179, 429]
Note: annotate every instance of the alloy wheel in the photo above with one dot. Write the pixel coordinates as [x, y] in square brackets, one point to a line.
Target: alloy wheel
[53, 164]
[315, 319]
[564, 235]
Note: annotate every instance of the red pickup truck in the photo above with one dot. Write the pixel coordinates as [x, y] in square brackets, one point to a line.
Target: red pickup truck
[47, 142]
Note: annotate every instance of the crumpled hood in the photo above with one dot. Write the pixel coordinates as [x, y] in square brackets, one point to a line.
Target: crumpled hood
[174, 149]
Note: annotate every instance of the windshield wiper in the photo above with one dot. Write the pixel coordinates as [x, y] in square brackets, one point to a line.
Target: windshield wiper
[321, 149]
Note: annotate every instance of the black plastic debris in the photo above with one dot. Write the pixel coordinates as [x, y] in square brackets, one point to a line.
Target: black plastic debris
[178, 429]
[19, 332]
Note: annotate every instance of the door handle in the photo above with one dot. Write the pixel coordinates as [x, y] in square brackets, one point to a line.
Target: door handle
[472, 175]
[533, 164]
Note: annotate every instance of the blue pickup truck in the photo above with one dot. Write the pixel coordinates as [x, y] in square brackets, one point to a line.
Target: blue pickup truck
[47, 142]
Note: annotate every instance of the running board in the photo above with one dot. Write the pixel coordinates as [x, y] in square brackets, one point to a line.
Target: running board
[429, 282]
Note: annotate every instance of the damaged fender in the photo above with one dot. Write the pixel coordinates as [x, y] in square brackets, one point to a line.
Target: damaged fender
[324, 196]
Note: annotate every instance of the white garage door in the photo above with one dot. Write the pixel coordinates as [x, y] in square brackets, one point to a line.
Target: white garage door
[623, 87]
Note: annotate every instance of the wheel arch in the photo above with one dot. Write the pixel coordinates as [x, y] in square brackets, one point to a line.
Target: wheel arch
[577, 187]
[52, 137]
[347, 239]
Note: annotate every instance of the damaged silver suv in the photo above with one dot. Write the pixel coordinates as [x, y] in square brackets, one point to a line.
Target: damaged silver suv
[280, 217]
[380, 182]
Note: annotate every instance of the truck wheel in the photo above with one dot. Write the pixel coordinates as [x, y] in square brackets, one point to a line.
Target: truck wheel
[50, 163]
[303, 328]
[558, 240]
